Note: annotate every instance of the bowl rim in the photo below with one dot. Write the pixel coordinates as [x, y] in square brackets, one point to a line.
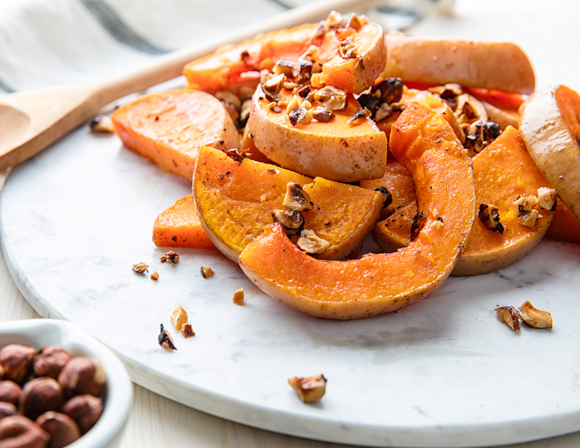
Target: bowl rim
[118, 397]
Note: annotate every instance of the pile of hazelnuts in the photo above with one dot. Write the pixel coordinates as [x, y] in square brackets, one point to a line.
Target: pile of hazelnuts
[47, 399]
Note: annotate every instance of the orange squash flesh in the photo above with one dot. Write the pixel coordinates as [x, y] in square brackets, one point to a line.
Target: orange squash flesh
[502, 172]
[237, 67]
[168, 127]
[380, 283]
[337, 150]
[179, 226]
[236, 200]
[565, 226]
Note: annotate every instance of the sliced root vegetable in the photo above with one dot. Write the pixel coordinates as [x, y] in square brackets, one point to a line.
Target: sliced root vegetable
[502, 172]
[179, 226]
[236, 200]
[380, 283]
[494, 66]
[551, 130]
[352, 54]
[565, 226]
[398, 182]
[336, 149]
[168, 128]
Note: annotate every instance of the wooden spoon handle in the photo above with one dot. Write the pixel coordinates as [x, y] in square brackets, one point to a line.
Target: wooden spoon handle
[171, 65]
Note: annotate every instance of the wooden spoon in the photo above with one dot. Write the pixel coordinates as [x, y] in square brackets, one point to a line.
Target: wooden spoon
[32, 120]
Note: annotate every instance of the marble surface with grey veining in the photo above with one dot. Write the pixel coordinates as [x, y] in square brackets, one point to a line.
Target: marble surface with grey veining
[444, 372]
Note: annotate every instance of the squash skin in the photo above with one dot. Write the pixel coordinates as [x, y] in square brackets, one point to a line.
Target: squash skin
[551, 131]
[168, 127]
[236, 201]
[488, 65]
[335, 150]
[179, 226]
[381, 283]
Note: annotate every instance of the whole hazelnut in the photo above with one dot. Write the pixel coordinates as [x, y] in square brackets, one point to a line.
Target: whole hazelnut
[62, 429]
[50, 360]
[16, 360]
[39, 396]
[82, 375]
[85, 410]
[17, 431]
[10, 392]
[7, 409]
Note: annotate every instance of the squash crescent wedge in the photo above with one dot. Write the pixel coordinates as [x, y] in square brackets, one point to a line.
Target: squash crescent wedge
[381, 283]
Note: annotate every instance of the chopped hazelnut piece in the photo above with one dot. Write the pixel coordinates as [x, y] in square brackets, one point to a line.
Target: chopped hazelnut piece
[300, 116]
[206, 272]
[170, 256]
[534, 317]
[296, 198]
[509, 315]
[155, 276]
[187, 331]
[322, 114]
[361, 113]
[469, 108]
[165, 340]
[489, 216]
[331, 98]
[310, 389]
[547, 198]
[178, 317]
[334, 18]
[238, 298]
[525, 204]
[283, 67]
[311, 243]
[529, 219]
[140, 268]
[384, 111]
[292, 220]
[102, 123]
[274, 84]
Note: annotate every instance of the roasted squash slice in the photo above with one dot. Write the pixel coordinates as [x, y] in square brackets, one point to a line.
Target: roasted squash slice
[168, 128]
[179, 226]
[502, 172]
[337, 150]
[237, 67]
[565, 226]
[380, 283]
[551, 130]
[488, 65]
[236, 201]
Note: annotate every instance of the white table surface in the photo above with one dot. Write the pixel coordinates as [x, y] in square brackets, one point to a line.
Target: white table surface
[548, 34]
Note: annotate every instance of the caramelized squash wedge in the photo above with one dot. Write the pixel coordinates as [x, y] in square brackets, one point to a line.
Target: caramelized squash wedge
[565, 226]
[236, 200]
[380, 283]
[551, 130]
[237, 67]
[179, 226]
[168, 128]
[488, 65]
[502, 172]
[337, 150]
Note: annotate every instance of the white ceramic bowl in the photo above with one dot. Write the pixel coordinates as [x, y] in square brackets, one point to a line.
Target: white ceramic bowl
[118, 396]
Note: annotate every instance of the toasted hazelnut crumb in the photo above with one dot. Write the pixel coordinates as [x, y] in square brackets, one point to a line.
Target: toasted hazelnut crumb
[165, 340]
[187, 331]
[206, 272]
[170, 256]
[140, 268]
[311, 243]
[178, 317]
[102, 123]
[155, 276]
[296, 198]
[529, 219]
[534, 317]
[509, 315]
[310, 389]
[239, 297]
[547, 198]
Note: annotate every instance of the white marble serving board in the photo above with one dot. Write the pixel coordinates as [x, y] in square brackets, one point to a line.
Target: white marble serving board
[444, 372]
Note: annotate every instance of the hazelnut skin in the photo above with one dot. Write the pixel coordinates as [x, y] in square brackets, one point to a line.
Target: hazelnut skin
[82, 375]
[39, 396]
[7, 409]
[85, 410]
[10, 392]
[49, 361]
[17, 361]
[17, 431]
[62, 429]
